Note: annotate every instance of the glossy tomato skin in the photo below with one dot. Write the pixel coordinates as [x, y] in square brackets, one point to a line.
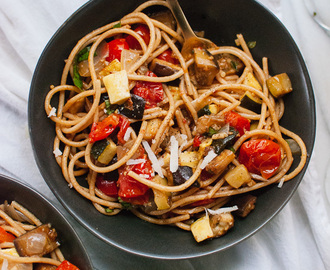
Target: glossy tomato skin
[108, 187]
[66, 265]
[144, 32]
[115, 47]
[152, 92]
[240, 123]
[131, 190]
[168, 57]
[5, 236]
[104, 128]
[260, 156]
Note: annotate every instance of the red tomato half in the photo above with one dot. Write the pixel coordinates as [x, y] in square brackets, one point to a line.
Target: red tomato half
[168, 57]
[108, 187]
[116, 46]
[103, 129]
[66, 265]
[152, 92]
[260, 156]
[144, 32]
[240, 123]
[131, 190]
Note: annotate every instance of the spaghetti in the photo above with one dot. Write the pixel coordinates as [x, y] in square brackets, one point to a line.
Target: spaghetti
[165, 135]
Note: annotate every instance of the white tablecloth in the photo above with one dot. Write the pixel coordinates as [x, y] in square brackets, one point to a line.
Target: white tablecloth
[297, 238]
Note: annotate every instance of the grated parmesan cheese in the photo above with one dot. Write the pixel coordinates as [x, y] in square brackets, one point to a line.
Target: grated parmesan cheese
[57, 152]
[174, 159]
[208, 158]
[154, 161]
[128, 134]
[70, 185]
[135, 161]
[280, 184]
[222, 210]
[52, 112]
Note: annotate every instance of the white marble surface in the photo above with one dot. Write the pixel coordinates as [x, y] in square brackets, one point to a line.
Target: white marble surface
[297, 238]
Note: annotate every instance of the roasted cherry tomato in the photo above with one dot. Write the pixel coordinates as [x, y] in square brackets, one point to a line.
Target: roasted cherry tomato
[66, 265]
[240, 123]
[108, 187]
[144, 32]
[197, 140]
[152, 92]
[103, 129]
[6, 236]
[116, 46]
[168, 57]
[260, 156]
[131, 190]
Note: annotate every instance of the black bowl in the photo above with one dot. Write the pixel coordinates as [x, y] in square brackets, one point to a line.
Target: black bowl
[221, 20]
[71, 246]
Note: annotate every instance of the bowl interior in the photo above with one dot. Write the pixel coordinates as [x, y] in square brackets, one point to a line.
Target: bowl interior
[221, 20]
[71, 246]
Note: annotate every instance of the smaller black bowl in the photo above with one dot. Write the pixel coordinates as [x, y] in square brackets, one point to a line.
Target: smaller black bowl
[71, 246]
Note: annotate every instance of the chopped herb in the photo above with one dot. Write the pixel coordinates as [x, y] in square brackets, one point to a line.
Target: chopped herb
[125, 205]
[234, 65]
[76, 76]
[232, 149]
[108, 210]
[117, 25]
[251, 44]
[109, 107]
[83, 54]
[212, 131]
[204, 111]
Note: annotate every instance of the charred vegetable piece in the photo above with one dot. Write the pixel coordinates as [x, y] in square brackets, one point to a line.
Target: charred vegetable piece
[220, 144]
[66, 265]
[133, 108]
[230, 64]
[161, 198]
[104, 151]
[182, 174]
[204, 111]
[279, 85]
[206, 67]
[245, 204]
[251, 102]
[189, 158]
[37, 242]
[152, 128]
[163, 68]
[220, 162]
[238, 176]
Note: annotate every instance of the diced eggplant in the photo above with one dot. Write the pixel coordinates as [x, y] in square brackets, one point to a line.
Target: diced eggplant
[103, 151]
[161, 198]
[220, 162]
[152, 128]
[238, 176]
[182, 174]
[206, 121]
[220, 144]
[201, 229]
[37, 242]
[205, 67]
[230, 64]
[163, 68]
[133, 108]
[279, 85]
[245, 204]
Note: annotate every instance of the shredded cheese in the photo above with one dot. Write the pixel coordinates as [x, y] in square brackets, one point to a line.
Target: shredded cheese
[280, 184]
[208, 158]
[128, 134]
[222, 210]
[57, 152]
[52, 112]
[135, 161]
[174, 159]
[154, 161]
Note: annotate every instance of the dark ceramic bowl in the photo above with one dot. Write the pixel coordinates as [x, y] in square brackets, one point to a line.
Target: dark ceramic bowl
[71, 246]
[221, 20]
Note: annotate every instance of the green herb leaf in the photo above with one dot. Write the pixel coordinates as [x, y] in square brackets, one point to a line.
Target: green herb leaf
[117, 25]
[251, 44]
[125, 205]
[212, 131]
[108, 210]
[83, 54]
[110, 108]
[234, 65]
[76, 77]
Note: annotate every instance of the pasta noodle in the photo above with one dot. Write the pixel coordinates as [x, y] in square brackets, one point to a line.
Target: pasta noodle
[180, 106]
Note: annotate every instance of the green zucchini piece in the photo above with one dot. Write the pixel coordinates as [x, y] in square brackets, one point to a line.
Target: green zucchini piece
[251, 102]
[279, 85]
[103, 151]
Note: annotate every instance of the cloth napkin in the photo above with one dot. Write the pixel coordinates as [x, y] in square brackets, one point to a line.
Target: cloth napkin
[297, 238]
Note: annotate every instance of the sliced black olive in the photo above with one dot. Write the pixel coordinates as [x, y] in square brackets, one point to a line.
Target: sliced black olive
[133, 108]
[220, 144]
[182, 174]
[37, 242]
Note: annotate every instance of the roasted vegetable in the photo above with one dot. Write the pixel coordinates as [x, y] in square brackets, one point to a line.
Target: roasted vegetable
[205, 67]
[133, 108]
[238, 176]
[37, 242]
[117, 87]
[220, 144]
[204, 111]
[220, 162]
[103, 151]
[279, 85]
[245, 204]
[163, 68]
[161, 198]
[182, 174]
[251, 102]
[152, 128]
[189, 158]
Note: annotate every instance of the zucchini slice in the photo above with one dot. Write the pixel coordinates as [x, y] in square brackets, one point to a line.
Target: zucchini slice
[103, 151]
[279, 85]
[251, 102]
